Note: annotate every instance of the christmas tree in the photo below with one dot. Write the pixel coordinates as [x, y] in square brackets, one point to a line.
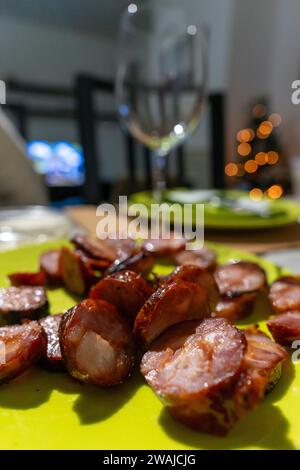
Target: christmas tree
[260, 165]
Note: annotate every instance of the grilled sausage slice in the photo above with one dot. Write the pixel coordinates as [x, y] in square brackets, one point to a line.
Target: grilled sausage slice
[204, 279]
[194, 369]
[285, 294]
[261, 370]
[204, 258]
[27, 279]
[50, 265]
[239, 278]
[285, 328]
[164, 248]
[77, 277]
[20, 348]
[139, 261]
[236, 308]
[94, 248]
[211, 374]
[96, 343]
[52, 358]
[127, 290]
[19, 303]
[170, 304]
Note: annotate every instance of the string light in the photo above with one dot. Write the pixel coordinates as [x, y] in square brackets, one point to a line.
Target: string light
[250, 166]
[275, 119]
[231, 169]
[261, 158]
[259, 110]
[244, 149]
[275, 191]
[245, 135]
[273, 157]
[256, 194]
[264, 129]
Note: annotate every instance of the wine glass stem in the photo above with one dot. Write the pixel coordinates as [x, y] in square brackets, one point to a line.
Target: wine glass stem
[158, 175]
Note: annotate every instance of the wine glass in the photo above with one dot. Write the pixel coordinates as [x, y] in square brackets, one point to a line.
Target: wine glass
[160, 79]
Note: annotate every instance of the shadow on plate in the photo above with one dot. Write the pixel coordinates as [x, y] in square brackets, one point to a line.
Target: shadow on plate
[96, 404]
[92, 404]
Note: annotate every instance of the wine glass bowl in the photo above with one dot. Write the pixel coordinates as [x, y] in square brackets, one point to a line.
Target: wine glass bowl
[160, 80]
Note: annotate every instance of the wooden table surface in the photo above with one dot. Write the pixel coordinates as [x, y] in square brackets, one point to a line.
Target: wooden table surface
[256, 241]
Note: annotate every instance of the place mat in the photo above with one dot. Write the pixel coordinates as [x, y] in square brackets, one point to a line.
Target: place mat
[255, 241]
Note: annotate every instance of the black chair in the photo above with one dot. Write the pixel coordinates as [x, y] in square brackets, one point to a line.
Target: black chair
[86, 88]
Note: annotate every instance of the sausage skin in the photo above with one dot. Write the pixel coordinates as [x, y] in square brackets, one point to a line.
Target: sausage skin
[172, 303]
[204, 258]
[239, 278]
[27, 279]
[20, 348]
[127, 290]
[285, 328]
[204, 279]
[284, 294]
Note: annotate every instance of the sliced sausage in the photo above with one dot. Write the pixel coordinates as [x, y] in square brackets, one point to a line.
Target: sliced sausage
[236, 308]
[164, 248]
[96, 343]
[92, 264]
[205, 258]
[20, 348]
[52, 358]
[76, 276]
[19, 303]
[127, 290]
[285, 294]
[261, 370]
[285, 328]
[193, 273]
[239, 278]
[170, 304]
[195, 375]
[50, 265]
[139, 262]
[27, 279]
[94, 248]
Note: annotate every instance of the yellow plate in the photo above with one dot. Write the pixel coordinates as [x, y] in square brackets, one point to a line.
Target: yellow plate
[42, 410]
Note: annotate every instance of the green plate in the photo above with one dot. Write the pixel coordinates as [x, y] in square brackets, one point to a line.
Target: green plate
[282, 212]
[43, 410]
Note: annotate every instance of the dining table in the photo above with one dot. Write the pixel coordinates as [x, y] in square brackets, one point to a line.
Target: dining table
[280, 245]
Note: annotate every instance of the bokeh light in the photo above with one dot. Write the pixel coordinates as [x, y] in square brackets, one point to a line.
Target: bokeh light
[273, 157]
[259, 110]
[261, 158]
[264, 129]
[256, 194]
[275, 191]
[245, 135]
[250, 166]
[244, 149]
[231, 169]
[275, 119]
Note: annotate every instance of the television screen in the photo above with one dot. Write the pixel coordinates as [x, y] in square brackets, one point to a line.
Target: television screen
[62, 163]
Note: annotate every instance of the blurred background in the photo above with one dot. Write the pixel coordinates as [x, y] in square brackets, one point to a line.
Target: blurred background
[58, 60]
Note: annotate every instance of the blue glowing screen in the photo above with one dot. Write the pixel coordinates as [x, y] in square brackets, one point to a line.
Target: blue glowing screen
[62, 163]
